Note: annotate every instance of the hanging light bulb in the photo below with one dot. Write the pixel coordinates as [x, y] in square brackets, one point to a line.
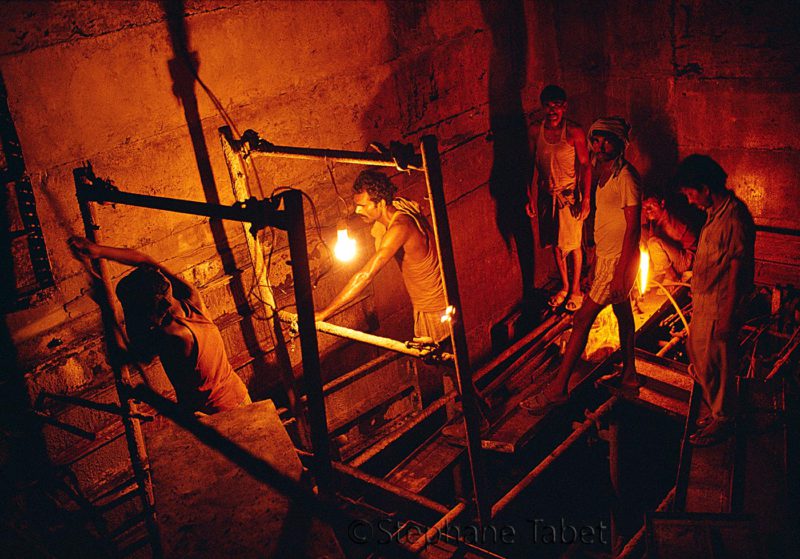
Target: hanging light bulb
[345, 249]
[644, 268]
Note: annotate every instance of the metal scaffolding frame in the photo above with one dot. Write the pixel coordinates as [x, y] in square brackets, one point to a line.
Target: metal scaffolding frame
[429, 164]
[285, 211]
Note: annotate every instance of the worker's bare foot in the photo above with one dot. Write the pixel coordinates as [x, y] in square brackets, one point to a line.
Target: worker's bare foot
[631, 383]
[631, 380]
[544, 401]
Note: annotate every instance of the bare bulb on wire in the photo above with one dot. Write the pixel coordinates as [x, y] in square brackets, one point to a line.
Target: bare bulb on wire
[345, 249]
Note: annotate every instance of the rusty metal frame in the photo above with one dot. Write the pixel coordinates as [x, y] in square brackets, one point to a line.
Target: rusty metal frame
[429, 164]
[262, 213]
[587, 424]
[116, 343]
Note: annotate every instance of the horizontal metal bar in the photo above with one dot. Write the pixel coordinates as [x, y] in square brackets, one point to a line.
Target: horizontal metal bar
[530, 355]
[235, 213]
[371, 339]
[390, 488]
[363, 370]
[335, 155]
[515, 347]
[395, 435]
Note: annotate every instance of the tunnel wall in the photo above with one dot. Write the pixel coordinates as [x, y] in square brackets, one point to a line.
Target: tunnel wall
[109, 83]
[713, 77]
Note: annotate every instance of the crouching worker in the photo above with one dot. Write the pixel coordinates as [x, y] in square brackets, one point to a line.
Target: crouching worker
[670, 240]
[165, 316]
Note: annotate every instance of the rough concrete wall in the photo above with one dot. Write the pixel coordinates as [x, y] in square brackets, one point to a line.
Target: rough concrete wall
[107, 82]
[715, 77]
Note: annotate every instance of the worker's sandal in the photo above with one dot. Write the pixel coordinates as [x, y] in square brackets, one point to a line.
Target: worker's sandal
[539, 404]
[574, 302]
[558, 299]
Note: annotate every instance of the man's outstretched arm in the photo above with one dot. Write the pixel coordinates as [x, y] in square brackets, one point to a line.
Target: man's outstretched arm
[130, 257]
[391, 243]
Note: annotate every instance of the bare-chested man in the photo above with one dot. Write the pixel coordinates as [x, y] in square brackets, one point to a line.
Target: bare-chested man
[560, 193]
[671, 240]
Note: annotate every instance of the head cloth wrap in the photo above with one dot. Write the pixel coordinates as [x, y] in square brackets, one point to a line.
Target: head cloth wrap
[617, 126]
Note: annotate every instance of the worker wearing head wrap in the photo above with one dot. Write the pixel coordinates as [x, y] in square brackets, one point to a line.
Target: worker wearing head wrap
[402, 233]
[616, 230]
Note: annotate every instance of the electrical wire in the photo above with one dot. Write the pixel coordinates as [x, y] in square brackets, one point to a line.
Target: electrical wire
[228, 120]
[329, 165]
[321, 241]
[674, 304]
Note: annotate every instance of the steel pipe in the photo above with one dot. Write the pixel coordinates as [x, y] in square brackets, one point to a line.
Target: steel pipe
[371, 339]
[529, 337]
[362, 371]
[116, 343]
[336, 155]
[526, 357]
[559, 450]
[675, 340]
[463, 370]
[392, 437]
[404, 494]
[785, 354]
[309, 348]
[634, 542]
[431, 535]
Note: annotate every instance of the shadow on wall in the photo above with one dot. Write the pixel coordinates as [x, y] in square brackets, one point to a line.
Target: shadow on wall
[404, 98]
[512, 164]
[656, 142]
[183, 69]
[394, 113]
[399, 109]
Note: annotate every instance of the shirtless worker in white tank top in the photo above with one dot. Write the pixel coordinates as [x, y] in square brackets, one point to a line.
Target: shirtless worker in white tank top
[561, 160]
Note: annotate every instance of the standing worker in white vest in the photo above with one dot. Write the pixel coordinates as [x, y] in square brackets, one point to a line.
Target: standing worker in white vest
[559, 196]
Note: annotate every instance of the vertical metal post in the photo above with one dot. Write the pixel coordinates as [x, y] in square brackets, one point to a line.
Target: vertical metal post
[441, 228]
[618, 506]
[116, 344]
[241, 192]
[312, 374]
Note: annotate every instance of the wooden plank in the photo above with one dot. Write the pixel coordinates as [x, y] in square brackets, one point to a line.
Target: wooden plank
[777, 248]
[425, 465]
[664, 374]
[513, 433]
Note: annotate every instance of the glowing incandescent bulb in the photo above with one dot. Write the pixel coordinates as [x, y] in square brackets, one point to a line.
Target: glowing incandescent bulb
[644, 269]
[345, 249]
